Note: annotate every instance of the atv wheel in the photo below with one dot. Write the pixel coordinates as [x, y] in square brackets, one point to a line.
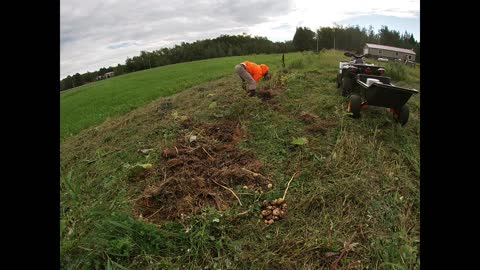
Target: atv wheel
[354, 105]
[346, 86]
[401, 115]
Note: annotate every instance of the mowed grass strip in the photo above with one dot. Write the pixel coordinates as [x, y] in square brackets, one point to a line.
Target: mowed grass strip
[92, 103]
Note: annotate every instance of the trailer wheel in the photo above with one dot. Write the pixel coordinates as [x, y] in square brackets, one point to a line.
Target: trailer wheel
[354, 105]
[402, 115]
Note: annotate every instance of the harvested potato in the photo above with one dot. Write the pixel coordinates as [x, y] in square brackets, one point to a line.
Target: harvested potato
[266, 213]
[274, 210]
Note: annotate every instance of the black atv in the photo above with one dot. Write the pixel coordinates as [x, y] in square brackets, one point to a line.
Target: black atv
[348, 70]
[364, 84]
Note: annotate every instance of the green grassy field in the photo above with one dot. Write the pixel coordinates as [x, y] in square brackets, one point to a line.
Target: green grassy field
[92, 103]
[358, 179]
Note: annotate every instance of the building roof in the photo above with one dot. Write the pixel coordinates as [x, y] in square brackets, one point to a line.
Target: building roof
[389, 48]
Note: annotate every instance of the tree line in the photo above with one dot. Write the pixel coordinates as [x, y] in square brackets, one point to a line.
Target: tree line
[352, 39]
[343, 38]
[224, 45]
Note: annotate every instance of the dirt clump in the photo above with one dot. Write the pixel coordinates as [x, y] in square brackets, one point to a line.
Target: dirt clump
[308, 118]
[169, 152]
[320, 126]
[269, 94]
[228, 131]
[268, 97]
[187, 123]
[315, 124]
[265, 94]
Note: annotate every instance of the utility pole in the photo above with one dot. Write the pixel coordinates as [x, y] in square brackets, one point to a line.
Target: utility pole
[334, 48]
[317, 42]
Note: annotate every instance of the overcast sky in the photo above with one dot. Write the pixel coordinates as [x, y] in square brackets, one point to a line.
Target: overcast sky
[95, 34]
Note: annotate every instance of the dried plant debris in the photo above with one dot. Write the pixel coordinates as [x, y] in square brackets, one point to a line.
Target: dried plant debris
[201, 169]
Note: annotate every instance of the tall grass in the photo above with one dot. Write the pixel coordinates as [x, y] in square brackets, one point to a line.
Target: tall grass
[397, 71]
[296, 64]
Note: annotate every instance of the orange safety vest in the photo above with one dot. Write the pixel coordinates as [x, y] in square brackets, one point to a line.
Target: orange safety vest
[257, 71]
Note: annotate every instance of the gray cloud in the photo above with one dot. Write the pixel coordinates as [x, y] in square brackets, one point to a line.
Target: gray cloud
[94, 33]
